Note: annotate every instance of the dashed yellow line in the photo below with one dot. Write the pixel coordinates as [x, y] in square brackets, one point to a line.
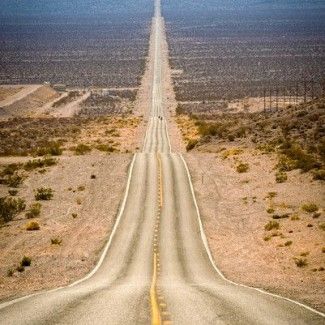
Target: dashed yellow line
[159, 314]
[160, 182]
[155, 311]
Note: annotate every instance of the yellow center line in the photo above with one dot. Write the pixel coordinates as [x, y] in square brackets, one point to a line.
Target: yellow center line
[155, 311]
[160, 182]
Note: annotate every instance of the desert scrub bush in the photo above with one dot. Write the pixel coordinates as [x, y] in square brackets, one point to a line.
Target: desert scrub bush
[81, 188]
[294, 157]
[301, 262]
[10, 169]
[39, 163]
[82, 149]
[242, 168]
[319, 174]
[322, 226]
[56, 241]
[26, 261]
[180, 110]
[281, 216]
[271, 195]
[34, 210]
[32, 226]
[191, 144]
[272, 225]
[12, 192]
[288, 243]
[281, 177]
[270, 210]
[13, 180]
[231, 152]
[10, 272]
[10, 207]
[105, 148]
[51, 148]
[309, 207]
[20, 268]
[43, 194]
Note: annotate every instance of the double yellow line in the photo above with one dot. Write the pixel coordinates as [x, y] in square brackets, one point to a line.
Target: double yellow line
[155, 311]
[156, 318]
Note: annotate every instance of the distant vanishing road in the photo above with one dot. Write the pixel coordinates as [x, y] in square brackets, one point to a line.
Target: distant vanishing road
[156, 267]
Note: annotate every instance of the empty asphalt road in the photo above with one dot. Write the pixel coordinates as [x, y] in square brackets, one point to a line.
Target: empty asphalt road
[156, 267]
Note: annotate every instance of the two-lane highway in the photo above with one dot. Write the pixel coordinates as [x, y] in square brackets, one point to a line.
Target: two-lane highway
[156, 267]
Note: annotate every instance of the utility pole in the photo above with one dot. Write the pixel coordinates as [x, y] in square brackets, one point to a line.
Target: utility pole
[305, 91]
[277, 98]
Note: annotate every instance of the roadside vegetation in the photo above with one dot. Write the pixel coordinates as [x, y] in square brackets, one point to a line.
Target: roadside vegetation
[295, 134]
[52, 136]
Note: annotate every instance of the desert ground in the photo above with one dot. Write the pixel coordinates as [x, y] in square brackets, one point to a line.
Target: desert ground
[81, 155]
[258, 177]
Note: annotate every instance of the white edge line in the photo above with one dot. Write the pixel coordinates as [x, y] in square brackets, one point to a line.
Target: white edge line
[146, 136]
[103, 255]
[166, 126]
[206, 245]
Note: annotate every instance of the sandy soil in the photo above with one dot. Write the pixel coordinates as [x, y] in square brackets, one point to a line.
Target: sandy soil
[14, 93]
[95, 201]
[30, 102]
[123, 133]
[70, 109]
[7, 92]
[234, 211]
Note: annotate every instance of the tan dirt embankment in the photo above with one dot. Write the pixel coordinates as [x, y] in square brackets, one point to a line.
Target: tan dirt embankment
[234, 211]
[81, 215]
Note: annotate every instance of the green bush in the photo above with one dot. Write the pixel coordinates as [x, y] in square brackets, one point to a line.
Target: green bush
[52, 148]
[39, 163]
[82, 149]
[191, 144]
[20, 268]
[301, 262]
[105, 148]
[56, 241]
[294, 157]
[10, 207]
[34, 210]
[281, 177]
[43, 194]
[14, 180]
[319, 174]
[10, 169]
[272, 225]
[242, 168]
[32, 226]
[12, 192]
[281, 216]
[26, 261]
[310, 207]
[180, 110]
